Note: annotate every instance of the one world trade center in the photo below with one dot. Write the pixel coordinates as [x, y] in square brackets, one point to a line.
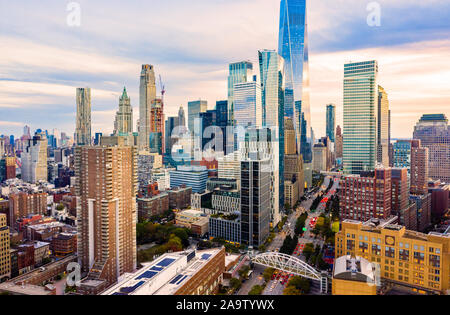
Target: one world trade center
[293, 47]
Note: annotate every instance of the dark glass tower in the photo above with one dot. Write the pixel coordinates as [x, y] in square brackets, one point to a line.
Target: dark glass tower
[293, 47]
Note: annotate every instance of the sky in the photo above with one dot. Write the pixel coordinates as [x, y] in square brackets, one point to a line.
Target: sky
[43, 59]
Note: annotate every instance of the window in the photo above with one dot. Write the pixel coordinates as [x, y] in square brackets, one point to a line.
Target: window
[403, 254]
[419, 258]
[390, 252]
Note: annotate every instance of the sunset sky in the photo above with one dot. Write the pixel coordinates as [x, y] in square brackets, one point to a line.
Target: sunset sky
[190, 43]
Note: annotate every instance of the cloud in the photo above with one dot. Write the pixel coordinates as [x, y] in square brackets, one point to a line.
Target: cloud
[191, 42]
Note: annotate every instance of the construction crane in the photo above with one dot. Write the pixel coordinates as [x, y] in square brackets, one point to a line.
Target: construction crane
[162, 87]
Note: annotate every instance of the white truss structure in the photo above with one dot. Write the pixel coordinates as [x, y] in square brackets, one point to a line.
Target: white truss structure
[292, 265]
[288, 264]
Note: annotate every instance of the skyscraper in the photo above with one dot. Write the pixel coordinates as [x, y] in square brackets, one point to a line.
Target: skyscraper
[194, 110]
[34, 159]
[360, 116]
[255, 201]
[434, 133]
[247, 104]
[339, 143]
[106, 187]
[331, 121]
[419, 168]
[157, 126]
[222, 123]
[239, 72]
[147, 95]
[124, 117]
[263, 143]
[383, 128]
[181, 117]
[83, 124]
[293, 47]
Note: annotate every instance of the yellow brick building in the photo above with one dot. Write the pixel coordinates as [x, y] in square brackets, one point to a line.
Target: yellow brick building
[417, 260]
[5, 259]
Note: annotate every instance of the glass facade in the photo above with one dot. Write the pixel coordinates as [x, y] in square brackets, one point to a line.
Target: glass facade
[271, 67]
[293, 47]
[247, 104]
[331, 121]
[360, 116]
[238, 72]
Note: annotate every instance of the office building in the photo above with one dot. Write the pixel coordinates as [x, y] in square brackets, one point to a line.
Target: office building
[5, 258]
[181, 117]
[320, 158]
[123, 124]
[331, 122]
[106, 188]
[238, 72]
[182, 273]
[294, 178]
[402, 154]
[423, 208]
[293, 48]
[339, 145]
[419, 170]
[366, 196]
[190, 176]
[222, 123]
[147, 96]
[383, 137]
[255, 201]
[247, 104]
[194, 110]
[83, 123]
[408, 258]
[7, 168]
[263, 143]
[34, 159]
[360, 116]
[434, 133]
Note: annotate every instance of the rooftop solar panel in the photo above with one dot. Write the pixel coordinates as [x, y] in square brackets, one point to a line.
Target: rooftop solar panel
[131, 289]
[147, 275]
[181, 280]
[165, 262]
[206, 256]
[176, 279]
[154, 268]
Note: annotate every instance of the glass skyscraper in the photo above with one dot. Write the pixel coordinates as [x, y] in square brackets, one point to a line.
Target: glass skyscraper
[239, 72]
[293, 47]
[331, 121]
[271, 66]
[247, 104]
[360, 116]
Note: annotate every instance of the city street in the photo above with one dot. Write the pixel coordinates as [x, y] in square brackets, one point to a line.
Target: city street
[274, 287]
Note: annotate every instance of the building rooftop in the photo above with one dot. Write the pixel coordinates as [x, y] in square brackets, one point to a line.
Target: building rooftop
[434, 117]
[165, 275]
[354, 268]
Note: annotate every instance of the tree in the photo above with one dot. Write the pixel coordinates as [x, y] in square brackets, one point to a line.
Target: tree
[301, 284]
[308, 250]
[235, 283]
[60, 207]
[243, 272]
[268, 273]
[290, 290]
[256, 290]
